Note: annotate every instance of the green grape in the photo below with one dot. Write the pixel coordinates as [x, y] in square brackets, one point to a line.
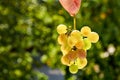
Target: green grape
[62, 39]
[61, 29]
[85, 31]
[80, 44]
[73, 68]
[81, 53]
[87, 44]
[81, 62]
[93, 37]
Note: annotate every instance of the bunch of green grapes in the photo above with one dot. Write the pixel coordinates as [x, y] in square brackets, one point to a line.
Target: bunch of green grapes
[74, 46]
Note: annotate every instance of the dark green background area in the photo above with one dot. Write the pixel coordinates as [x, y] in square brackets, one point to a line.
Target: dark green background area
[28, 39]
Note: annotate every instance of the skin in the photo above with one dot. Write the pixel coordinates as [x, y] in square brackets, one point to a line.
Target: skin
[71, 6]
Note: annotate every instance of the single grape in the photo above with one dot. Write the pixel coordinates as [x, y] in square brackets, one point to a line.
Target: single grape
[62, 39]
[80, 44]
[81, 62]
[87, 44]
[85, 31]
[61, 29]
[71, 41]
[65, 49]
[65, 60]
[81, 53]
[73, 68]
[76, 34]
[93, 37]
[71, 55]
[74, 37]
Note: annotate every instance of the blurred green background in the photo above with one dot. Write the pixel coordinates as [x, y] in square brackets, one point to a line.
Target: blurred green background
[28, 39]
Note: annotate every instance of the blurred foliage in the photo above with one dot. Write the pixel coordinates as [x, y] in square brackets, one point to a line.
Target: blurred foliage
[28, 38]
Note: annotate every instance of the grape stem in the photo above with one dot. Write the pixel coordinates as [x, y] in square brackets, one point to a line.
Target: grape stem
[74, 22]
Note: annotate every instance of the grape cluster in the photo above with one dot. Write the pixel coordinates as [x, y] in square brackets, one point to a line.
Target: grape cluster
[74, 46]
